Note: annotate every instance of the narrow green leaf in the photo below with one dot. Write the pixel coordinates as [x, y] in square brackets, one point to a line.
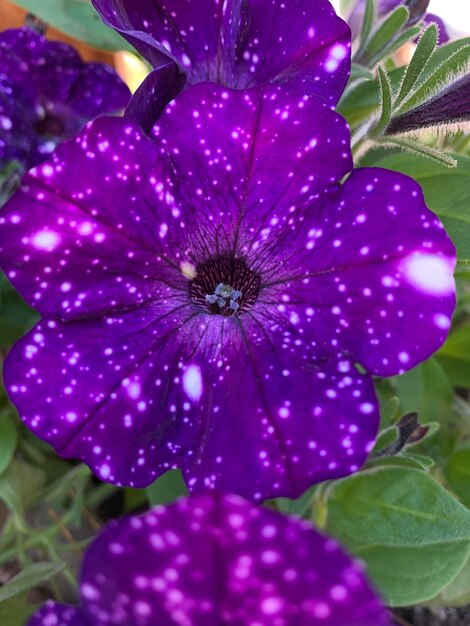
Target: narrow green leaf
[367, 22]
[412, 534]
[30, 577]
[424, 49]
[8, 439]
[79, 20]
[415, 146]
[167, 488]
[387, 31]
[386, 101]
[438, 80]
[396, 44]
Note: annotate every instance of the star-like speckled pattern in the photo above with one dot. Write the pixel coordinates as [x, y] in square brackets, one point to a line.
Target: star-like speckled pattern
[134, 371]
[239, 44]
[216, 560]
[47, 95]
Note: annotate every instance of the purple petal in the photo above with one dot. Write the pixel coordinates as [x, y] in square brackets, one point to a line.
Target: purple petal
[54, 614]
[57, 92]
[303, 46]
[259, 152]
[213, 560]
[136, 394]
[67, 263]
[431, 18]
[381, 284]
[151, 98]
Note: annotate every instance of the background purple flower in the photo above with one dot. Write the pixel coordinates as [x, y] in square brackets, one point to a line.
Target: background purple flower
[205, 299]
[385, 6]
[213, 560]
[240, 44]
[47, 94]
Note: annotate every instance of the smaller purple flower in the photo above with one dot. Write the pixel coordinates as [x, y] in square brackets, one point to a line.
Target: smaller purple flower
[386, 6]
[240, 43]
[47, 95]
[217, 560]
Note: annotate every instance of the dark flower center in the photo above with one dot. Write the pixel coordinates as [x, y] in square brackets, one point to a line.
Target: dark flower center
[50, 125]
[225, 286]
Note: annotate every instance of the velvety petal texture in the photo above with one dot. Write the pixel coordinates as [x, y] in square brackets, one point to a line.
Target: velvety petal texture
[215, 560]
[206, 296]
[47, 94]
[303, 45]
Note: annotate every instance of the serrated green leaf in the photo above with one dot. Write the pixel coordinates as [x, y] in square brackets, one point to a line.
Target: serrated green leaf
[412, 534]
[167, 488]
[424, 49]
[8, 439]
[388, 30]
[79, 20]
[448, 70]
[386, 101]
[28, 578]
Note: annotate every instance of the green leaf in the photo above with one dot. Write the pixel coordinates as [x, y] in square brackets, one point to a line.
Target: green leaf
[412, 534]
[454, 356]
[396, 44]
[426, 390]
[447, 192]
[457, 472]
[449, 69]
[387, 31]
[386, 101]
[298, 507]
[424, 49]
[458, 592]
[16, 610]
[414, 146]
[8, 440]
[367, 22]
[20, 484]
[167, 488]
[28, 578]
[78, 19]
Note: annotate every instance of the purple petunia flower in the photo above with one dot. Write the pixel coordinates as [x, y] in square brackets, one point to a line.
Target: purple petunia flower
[217, 560]
[386, 6]
[206, 297]
[240, 44]
[47, 95]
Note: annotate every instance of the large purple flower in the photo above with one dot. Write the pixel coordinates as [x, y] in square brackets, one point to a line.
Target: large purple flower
[240, 43]
[206, 298]
[216, 560]
[47, 94]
